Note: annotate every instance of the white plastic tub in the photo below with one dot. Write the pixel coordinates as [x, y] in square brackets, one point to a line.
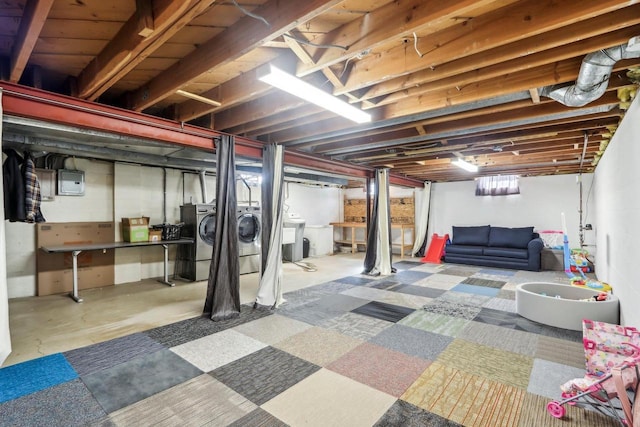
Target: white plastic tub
[566, 310]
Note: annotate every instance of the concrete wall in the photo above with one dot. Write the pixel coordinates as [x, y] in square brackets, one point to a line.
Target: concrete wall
[618, 212]
[540, 203]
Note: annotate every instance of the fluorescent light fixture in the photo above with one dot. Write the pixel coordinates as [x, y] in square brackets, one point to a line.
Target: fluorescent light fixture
[293, 85]
[465, 165]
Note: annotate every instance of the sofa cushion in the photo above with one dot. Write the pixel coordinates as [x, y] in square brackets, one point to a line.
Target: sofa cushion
[463, 249]
[510, 237]
[506, 252]
[476, 236]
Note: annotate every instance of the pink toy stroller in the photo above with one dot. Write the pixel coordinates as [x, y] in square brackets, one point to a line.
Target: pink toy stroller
[613, 372]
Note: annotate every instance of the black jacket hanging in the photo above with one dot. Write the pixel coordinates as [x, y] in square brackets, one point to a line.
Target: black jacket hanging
[13, 186]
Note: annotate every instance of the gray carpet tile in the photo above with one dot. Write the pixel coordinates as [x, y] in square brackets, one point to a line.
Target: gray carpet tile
[411, 341]
[436, 323]
[198, 327]
[356, 325]
[506, 294]
[355, 280]
[460, 271]
[547, 377]
[386, 284]
[501, 304]
[66, 404]
[561, 351]
[418, 290]
[406, 264]
[484, 282]
[264, 374]
[497, 317]
[312, 313]
[410, 276]
[258, 418]
[453, 309]
[383, 311]
[548, 331]
[506, 339]
[93, 358]
[328, 288]
[338, 302]
[203, 400]
[129, 382]
[407, 415]
[464, 298]
[497, 272]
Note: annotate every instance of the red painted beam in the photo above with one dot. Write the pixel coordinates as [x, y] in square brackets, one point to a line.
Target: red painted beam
[46, 106]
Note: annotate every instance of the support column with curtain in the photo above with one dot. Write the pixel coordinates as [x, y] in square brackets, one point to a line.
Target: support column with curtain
[270, 289]
[5, 337]
[223, 289]
[378, 258]
[422, 221]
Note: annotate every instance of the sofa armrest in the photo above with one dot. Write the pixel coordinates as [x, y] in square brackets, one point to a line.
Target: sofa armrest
[534, 249]
[535, 246]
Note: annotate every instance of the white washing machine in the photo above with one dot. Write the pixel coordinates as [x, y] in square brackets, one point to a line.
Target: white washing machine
[200, 225]
[249, 229]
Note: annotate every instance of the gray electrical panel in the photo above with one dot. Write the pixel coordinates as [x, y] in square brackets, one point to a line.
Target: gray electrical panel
[70, 182]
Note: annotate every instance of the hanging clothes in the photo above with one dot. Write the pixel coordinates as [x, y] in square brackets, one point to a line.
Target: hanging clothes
[13, 186]
[32, 195]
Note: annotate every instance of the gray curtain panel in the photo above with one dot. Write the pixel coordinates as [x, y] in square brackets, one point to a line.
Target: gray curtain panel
[223, 289]
[270, 290]
[378, 258]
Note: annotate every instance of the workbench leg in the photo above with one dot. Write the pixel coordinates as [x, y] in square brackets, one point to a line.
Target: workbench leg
[166, 267]
[74, 295]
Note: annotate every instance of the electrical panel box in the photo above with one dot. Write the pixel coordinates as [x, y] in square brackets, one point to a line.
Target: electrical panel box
[70, 182]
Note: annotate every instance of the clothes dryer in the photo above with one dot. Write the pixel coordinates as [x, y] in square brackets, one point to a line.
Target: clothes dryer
[249, 229]
[199, 224]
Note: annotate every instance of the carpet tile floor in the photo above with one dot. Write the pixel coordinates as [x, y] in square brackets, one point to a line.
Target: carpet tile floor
[431, 345]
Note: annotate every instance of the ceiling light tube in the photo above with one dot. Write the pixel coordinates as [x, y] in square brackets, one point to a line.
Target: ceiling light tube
[465, 165]
[293, 85]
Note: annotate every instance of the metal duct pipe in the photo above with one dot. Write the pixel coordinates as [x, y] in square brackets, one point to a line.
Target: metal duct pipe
[593, 78]
[203, 186]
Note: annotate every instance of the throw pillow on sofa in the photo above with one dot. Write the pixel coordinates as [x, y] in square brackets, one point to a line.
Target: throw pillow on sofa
[476, 236]
[504, 237]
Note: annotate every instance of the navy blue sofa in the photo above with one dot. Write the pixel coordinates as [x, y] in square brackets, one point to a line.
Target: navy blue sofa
[516, 248]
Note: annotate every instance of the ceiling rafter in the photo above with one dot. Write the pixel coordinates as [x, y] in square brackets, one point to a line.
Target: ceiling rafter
[31, 23]
[244, 35]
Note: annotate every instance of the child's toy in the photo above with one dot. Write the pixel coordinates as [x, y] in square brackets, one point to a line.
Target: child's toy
[602, 296]
[436, 249]
[612, 355]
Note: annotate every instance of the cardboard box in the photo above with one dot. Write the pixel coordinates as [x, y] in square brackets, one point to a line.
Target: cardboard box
[135, 229]
[155, 235]
[95, 268]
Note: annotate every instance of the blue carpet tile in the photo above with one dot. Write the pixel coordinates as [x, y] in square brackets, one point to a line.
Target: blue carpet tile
[34, 375]
[129, 382]
[405, 265]
[384, 311]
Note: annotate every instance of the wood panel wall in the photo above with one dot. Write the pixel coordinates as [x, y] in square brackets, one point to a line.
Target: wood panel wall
[402, 210]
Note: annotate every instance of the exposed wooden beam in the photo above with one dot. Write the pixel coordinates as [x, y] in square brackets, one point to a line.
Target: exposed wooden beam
[199, 98]
[382, 25]
[535, 96]
[128, 48]
[519, 21]
[33, 19]
[144, 12]
[244, 35]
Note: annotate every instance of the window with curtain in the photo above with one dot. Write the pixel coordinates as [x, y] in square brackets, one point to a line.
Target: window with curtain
[502, 185]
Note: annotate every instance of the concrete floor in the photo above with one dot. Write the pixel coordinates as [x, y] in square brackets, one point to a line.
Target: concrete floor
[50, 324]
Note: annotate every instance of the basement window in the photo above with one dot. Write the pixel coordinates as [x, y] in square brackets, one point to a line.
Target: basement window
[502, 185]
